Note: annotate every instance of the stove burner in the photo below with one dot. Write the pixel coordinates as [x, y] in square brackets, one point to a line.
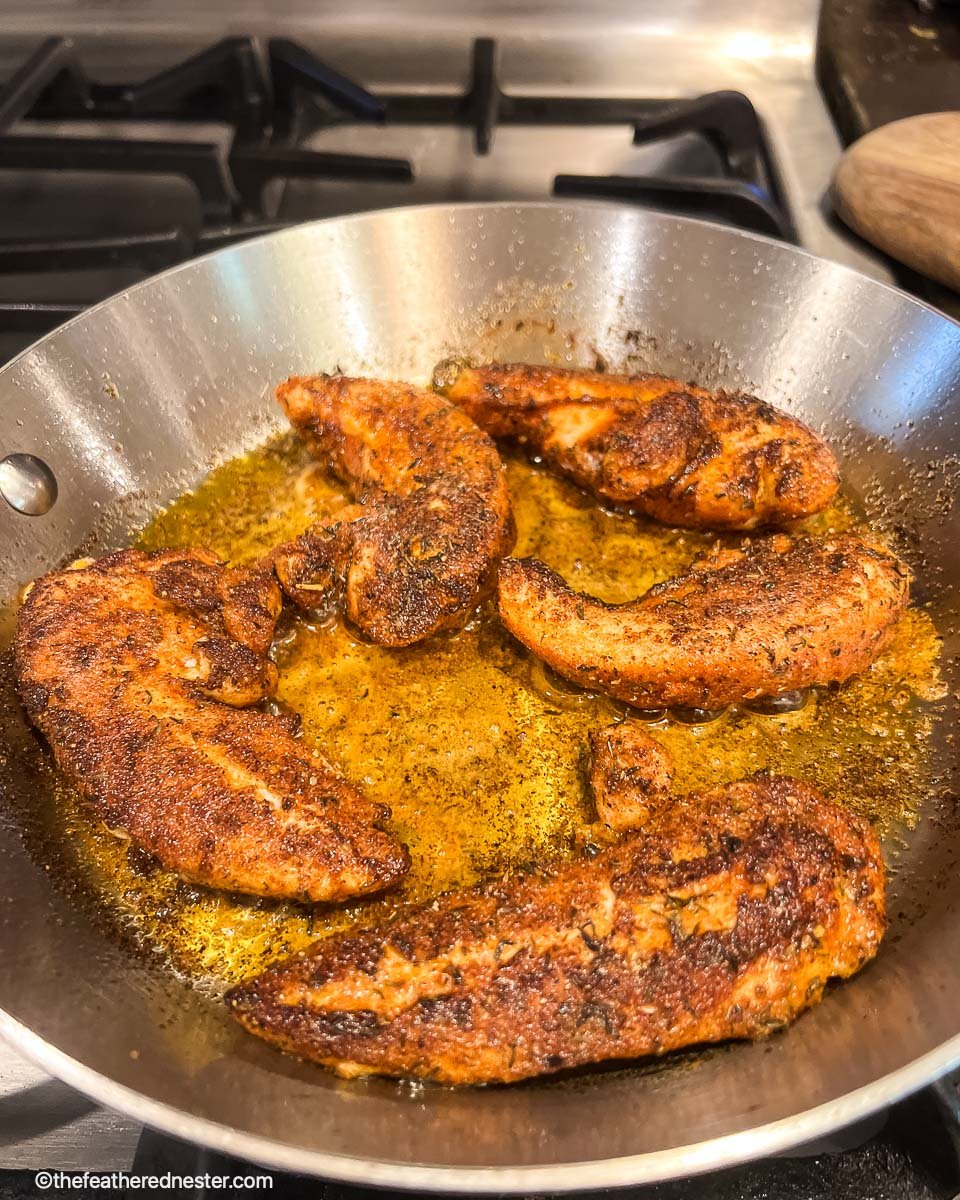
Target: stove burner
[223, 83]
[730, 123]
[272, 98]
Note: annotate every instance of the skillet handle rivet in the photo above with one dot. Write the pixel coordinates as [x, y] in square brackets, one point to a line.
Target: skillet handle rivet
[27, 484]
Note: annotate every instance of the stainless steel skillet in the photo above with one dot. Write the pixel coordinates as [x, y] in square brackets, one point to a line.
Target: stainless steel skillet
[136, 399]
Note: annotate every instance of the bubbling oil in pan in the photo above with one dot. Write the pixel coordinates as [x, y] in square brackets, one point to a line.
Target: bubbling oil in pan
[477, 748]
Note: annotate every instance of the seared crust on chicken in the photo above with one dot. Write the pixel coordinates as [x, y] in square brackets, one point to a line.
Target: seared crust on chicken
[777, 615]
[434, 519]
[631, 776]
[133, 667]
[725, 920]
[676, 452]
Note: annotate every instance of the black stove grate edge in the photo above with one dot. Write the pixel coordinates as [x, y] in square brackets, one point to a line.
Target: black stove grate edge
[274, 95]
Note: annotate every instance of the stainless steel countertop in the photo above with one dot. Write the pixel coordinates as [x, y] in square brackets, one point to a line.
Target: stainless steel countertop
[44, 1123]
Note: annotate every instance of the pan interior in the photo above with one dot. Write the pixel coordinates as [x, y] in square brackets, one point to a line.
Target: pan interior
[139, 399]
[476, 746]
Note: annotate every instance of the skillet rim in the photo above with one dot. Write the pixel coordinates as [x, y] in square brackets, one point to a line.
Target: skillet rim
[479, 206]
[692, 1159]
[657, 1166]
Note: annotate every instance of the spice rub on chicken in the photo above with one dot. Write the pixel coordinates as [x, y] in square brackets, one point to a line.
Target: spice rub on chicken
[724, 918]
[670, 450]
[777, 615]
[433, 517]
[631, 776]
[136, 667]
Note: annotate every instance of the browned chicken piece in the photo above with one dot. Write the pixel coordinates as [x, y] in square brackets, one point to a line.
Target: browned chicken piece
[724, 919]
[631, 776]
[778, 615]
[676, 452]
[433, 519]
[133, 667]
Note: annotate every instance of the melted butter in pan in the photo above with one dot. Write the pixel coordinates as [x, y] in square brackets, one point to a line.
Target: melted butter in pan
[477, 748]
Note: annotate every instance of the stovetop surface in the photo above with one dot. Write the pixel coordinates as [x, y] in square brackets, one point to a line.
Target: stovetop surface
[501, 60]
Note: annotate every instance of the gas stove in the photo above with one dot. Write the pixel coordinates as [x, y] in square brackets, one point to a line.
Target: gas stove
[128, 145]
[131, 145]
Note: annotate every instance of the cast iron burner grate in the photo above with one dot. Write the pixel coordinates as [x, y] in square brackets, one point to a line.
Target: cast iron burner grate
[274, 96]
